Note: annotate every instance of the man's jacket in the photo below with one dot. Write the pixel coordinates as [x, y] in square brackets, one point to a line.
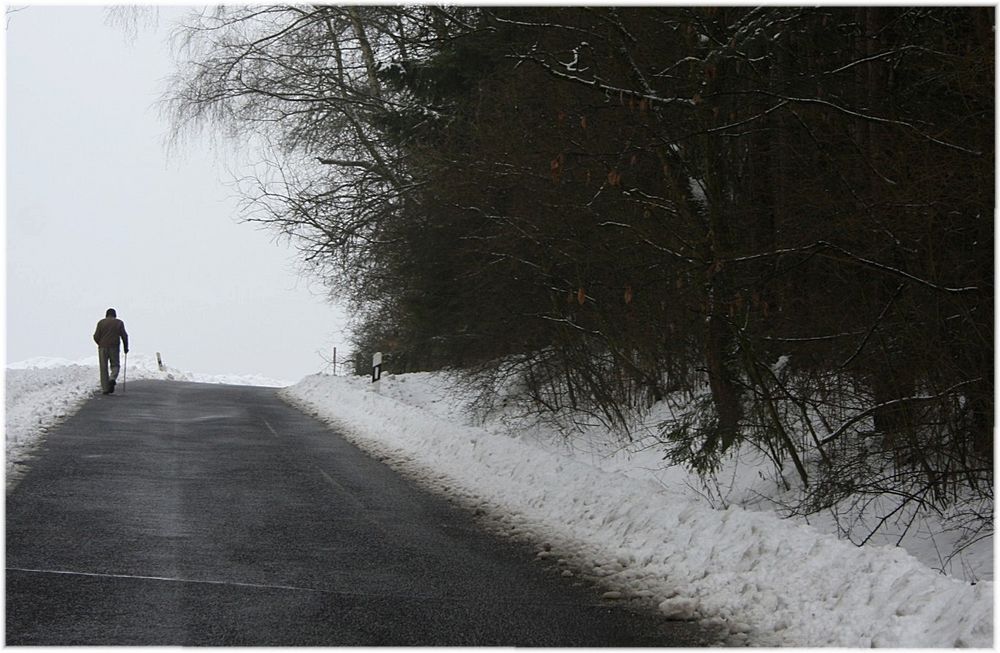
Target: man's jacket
[110, 331]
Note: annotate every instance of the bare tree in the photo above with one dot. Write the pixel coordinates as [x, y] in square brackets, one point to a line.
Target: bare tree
[778, 217]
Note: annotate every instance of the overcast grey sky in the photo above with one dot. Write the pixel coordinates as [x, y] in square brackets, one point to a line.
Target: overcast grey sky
[99, 215]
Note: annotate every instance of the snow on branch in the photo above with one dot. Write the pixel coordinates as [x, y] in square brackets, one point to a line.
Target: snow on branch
[895, 402]
[818, 248]
[870, 118]
[597, 83]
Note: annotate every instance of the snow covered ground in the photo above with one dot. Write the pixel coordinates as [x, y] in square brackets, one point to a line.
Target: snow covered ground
[645, 533]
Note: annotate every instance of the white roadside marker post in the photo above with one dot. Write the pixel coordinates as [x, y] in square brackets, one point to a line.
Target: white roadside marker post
[376, 370]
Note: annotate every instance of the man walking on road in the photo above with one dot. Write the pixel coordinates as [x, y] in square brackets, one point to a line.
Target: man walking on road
[109, 334]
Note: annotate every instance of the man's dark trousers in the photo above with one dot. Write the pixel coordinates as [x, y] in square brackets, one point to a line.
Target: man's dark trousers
[108, 356]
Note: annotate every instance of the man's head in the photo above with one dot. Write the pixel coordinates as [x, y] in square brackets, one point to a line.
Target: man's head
[111, 313]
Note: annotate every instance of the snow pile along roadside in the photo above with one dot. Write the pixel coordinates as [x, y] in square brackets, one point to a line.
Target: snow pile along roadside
[759, 579]
[38, 398]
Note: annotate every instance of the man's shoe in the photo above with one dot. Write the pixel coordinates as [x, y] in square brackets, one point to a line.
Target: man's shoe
[111, 387]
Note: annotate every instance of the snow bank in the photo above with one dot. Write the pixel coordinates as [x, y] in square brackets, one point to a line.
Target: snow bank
[40, 392]
[757, 578]
[36, 399]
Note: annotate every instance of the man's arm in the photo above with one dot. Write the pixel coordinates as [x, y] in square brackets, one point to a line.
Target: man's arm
[97, 334]
[124, 338]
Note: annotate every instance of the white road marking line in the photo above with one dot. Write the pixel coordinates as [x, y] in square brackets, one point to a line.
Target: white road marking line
[424, 597]
[329, 479]
[64, 572]
[342, 491]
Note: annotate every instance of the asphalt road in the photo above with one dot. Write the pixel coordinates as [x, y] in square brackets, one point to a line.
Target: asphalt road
[192, 514]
